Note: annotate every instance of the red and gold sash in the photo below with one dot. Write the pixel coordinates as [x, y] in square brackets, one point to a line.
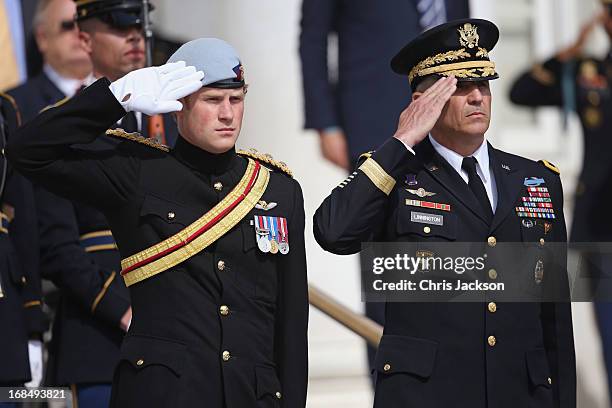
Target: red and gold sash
[203, 232]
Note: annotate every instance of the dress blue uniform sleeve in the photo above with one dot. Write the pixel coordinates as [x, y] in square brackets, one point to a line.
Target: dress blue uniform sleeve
[558, 331]
[320, 99]
[540, 86]
[44, 150]
[291, 340]
[355, 210]
[70, 268]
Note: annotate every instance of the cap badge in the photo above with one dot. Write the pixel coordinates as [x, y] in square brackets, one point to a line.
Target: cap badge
[468, 35]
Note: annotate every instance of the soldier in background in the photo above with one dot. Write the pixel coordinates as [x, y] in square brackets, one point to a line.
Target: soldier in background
[22, 321]
[78, 252]
[573, 81]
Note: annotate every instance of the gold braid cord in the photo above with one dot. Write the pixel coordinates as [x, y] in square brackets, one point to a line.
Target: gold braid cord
[229, 221]
[452, 55]
[266, 159]
[138, 138]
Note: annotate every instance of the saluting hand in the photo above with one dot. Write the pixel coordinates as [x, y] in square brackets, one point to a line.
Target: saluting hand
[417, 120]
[156, 90]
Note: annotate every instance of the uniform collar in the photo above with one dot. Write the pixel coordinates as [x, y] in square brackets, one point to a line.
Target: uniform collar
[456, 160]
[203, 161]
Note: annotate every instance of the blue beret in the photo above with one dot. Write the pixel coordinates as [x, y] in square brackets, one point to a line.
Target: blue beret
[216, 58]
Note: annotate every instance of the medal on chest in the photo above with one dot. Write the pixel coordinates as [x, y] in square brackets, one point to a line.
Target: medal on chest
[272, 234]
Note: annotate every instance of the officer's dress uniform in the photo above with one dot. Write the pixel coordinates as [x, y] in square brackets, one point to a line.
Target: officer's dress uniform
[225, 328]
[21, 316]
[459, 354]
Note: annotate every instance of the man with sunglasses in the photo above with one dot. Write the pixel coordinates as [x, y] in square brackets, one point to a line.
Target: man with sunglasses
[78, 251]
[66, 64]
[573, 81]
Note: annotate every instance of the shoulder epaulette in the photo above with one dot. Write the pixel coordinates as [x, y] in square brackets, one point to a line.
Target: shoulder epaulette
[138, 138]
[267, 159]
[365, 155]
[550, 166]
[13, 104]
[56, 104]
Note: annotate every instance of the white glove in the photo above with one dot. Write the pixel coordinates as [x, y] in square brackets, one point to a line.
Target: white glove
[35, 352]
[155, 90]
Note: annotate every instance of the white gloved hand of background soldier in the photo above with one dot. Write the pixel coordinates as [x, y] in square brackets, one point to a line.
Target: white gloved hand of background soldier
[156, 90]
[35, 354]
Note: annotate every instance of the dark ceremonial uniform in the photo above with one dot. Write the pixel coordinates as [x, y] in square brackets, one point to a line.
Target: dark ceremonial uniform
[224, 325]
[456, 354]
[476, 354]
[78, 253]
[21, 316]
[79, 256]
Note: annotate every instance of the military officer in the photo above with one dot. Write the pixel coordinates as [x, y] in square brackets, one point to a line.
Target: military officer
[439, 180]
[21, 313]
[211, 239]
[78, 252]
[581, 83]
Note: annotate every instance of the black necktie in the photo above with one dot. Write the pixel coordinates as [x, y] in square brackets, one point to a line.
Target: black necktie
[477, 187]
[129, 123]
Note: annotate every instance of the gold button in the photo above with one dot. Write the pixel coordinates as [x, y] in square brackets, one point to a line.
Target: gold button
[171, 215]
[549, 381]
[492, 307]
[278, 395]
[492, 274]
[218, 186]
[221, 265]
[492, 241]
[426, 230]
[542, 242]
[387, 367]
[224, 310]
[492, 341]
[140, 362]
[226, 355]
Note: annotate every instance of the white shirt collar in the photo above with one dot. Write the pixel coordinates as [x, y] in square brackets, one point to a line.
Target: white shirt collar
[68, 86]
[456, 160]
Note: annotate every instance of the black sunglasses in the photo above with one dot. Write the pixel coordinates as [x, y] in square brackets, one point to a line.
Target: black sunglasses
[68, 25]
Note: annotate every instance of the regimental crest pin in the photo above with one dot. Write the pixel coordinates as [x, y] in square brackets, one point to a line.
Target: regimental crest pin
[411, 180]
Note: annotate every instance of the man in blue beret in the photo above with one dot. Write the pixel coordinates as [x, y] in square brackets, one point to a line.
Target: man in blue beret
[438, 181]
[212, 239]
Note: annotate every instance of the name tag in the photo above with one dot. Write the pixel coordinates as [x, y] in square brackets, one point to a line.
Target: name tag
[424, 218]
